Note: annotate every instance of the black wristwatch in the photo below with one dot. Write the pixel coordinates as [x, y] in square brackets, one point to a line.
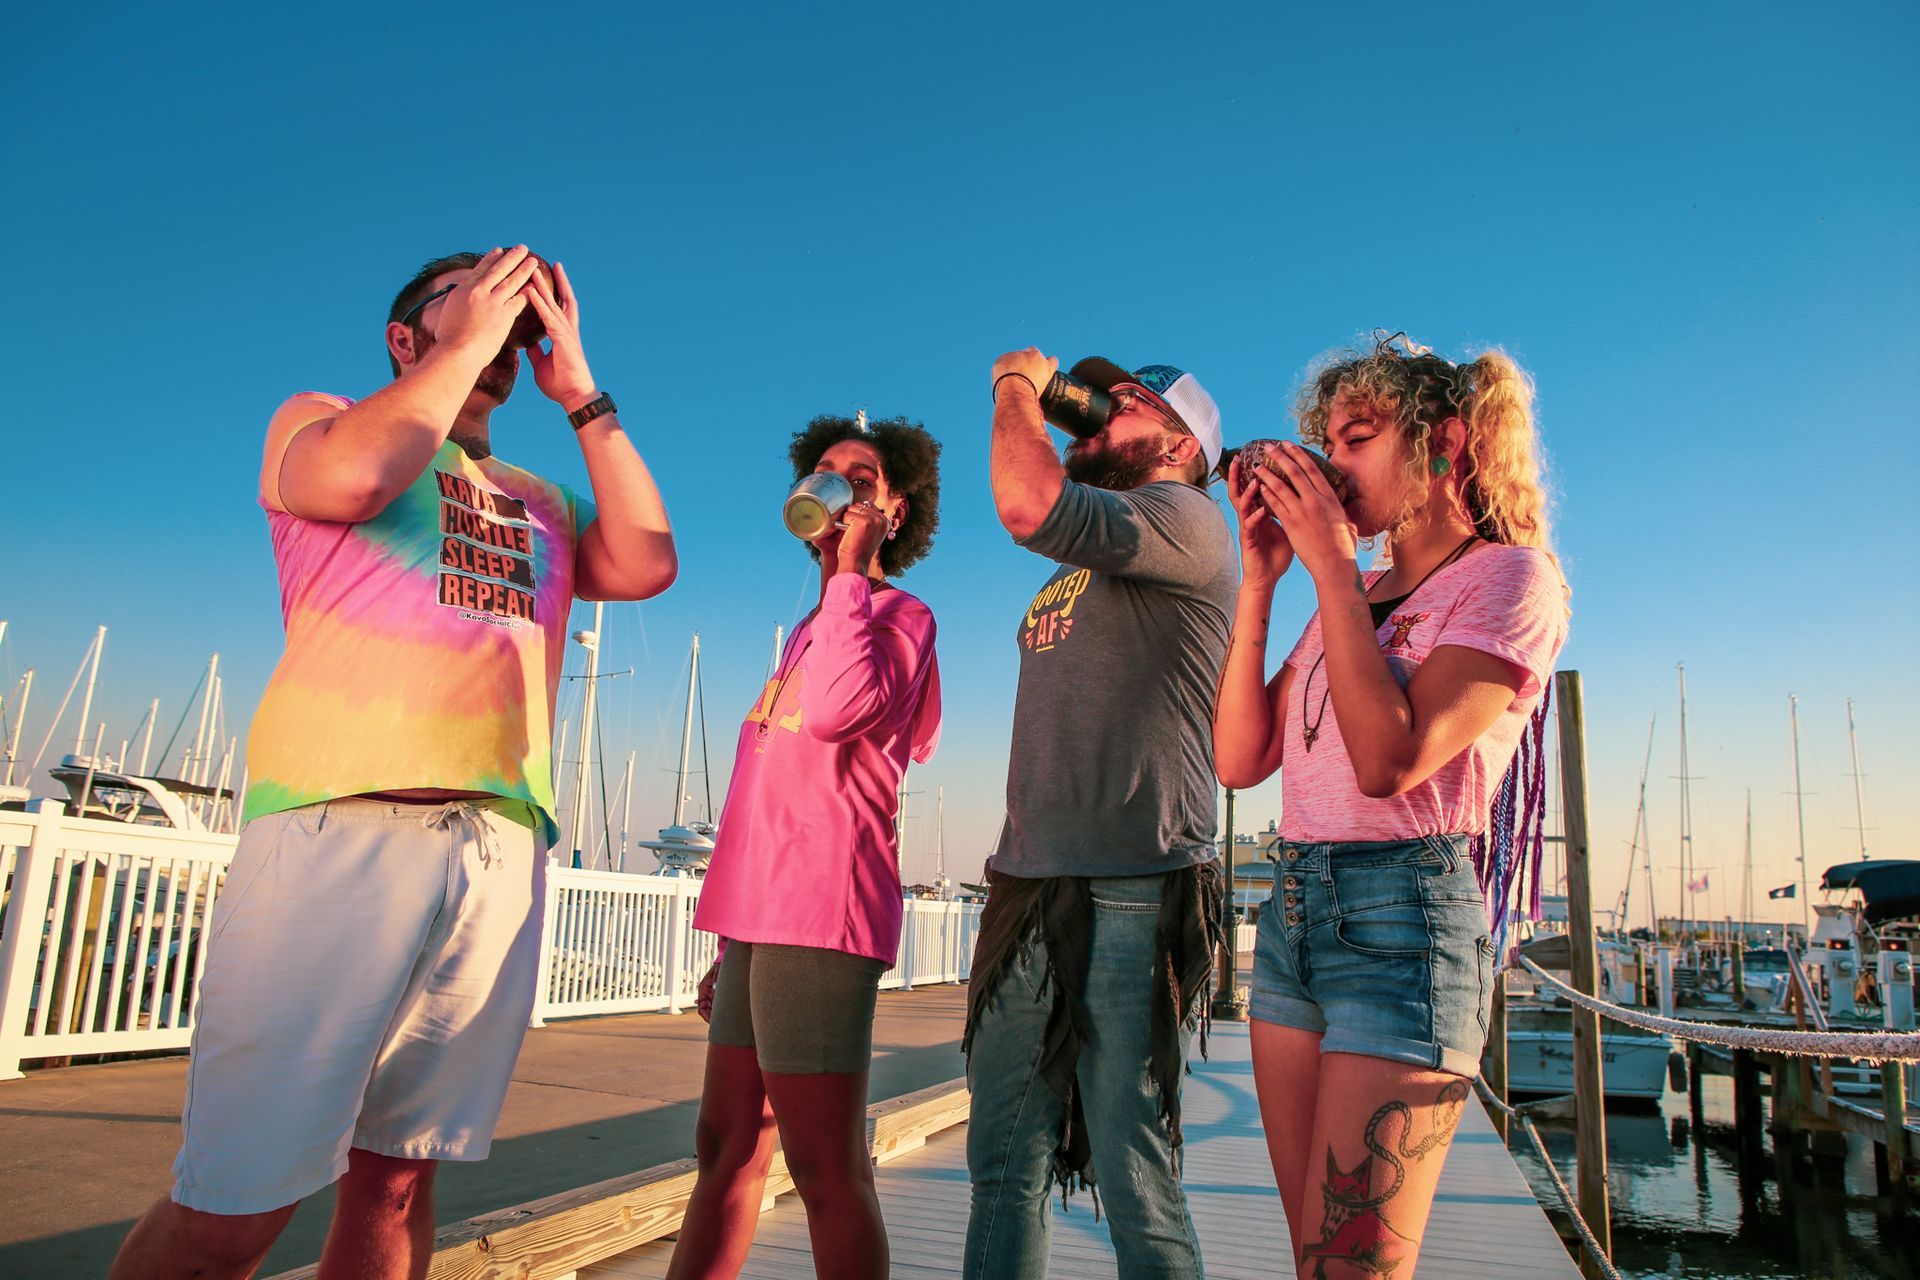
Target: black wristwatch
[602, 403]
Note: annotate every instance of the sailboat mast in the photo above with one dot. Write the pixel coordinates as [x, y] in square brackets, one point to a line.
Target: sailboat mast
[1799, 814]
[93, 759]
[1859, 803]
[686, 737]
[86, 703]
[590, 641]
[19, 723]
[1686, 804]
[626, 812]
[146, 747]
[206, 707]
[204, 766]
[940, 840]
[220, 785]
[1746, 871]
[1639, 830]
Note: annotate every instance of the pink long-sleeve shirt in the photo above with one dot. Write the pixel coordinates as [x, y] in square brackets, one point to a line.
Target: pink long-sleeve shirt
[804, 854]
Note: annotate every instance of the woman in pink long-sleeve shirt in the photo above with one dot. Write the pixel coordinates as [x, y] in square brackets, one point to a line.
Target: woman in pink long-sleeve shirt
[803, 887]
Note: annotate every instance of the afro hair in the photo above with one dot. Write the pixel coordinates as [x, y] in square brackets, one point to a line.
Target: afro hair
[910, 461]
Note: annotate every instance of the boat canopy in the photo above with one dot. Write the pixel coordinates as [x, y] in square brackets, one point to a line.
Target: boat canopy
[1889, 887]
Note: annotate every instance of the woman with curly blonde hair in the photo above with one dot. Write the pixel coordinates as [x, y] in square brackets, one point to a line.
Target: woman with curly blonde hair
[1393, 721]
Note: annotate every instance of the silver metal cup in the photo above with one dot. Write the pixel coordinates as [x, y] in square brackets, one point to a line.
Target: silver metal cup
[814, 503]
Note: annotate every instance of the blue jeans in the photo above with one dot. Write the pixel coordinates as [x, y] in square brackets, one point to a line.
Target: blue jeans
[1016, 1119]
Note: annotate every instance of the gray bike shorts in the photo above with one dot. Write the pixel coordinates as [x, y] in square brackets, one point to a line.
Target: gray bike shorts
[803, 1010]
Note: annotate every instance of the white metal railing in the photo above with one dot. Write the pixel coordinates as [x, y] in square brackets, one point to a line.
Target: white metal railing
[102, 927]
[100, 935]
[936, 944]
[616, 943]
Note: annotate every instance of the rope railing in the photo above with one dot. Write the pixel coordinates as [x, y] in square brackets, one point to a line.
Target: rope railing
[1567, 1202]
[1874, 1046]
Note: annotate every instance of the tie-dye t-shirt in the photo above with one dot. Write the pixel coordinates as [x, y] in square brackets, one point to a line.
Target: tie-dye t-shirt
[423, 645]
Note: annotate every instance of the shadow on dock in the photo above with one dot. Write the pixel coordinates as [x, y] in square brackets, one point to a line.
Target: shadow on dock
[84, 1150]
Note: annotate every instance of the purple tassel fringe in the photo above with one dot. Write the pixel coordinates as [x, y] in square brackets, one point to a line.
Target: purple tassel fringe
[1509, 856]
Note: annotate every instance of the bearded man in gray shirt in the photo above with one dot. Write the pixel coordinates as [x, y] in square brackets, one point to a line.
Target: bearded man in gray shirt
[1095, 949]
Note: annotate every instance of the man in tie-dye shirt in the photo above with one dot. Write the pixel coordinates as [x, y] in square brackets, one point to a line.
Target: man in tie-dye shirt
[374, 949]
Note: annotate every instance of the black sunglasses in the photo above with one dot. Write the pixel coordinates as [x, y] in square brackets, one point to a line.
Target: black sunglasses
[419, 306]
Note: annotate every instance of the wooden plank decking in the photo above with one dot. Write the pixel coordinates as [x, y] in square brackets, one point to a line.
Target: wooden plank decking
[1486, 1223]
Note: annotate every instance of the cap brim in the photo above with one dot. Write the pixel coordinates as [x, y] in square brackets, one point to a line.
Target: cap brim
[1100, 373]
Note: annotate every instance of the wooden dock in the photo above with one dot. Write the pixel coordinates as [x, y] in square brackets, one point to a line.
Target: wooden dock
[1486, 1223]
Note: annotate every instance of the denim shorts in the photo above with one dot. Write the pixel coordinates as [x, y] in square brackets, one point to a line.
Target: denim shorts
[1380, 946]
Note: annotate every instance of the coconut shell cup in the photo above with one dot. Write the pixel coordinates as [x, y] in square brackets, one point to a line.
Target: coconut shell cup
[528, 328]
[1262, 453]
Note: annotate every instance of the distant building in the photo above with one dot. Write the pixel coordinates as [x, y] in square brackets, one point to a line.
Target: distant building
[1253, 858]
[1753, 933]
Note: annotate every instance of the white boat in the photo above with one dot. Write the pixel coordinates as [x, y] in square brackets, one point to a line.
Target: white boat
[1540, 1055]
[97, 790]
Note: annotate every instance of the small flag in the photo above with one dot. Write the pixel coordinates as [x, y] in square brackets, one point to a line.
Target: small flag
[1785, 891]
[1698, 886]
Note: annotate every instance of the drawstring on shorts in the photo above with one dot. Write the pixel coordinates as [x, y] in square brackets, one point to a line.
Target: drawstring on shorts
[444, 816]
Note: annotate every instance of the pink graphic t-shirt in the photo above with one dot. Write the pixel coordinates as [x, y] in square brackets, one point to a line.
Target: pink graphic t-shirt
[423, 645]
[1506, 601]
[805, 853]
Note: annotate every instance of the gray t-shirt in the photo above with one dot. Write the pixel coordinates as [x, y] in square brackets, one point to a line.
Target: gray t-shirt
[1120, 655]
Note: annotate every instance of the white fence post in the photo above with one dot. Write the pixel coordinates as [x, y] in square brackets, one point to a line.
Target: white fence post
[23, 932]
[950, 937]
[549, 908]
[907, 916]
[676, 942]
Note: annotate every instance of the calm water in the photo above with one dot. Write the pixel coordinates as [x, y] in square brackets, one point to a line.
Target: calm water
[1682, 1206]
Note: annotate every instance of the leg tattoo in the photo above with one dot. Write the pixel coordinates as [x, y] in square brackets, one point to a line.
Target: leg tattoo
[1354, 1236]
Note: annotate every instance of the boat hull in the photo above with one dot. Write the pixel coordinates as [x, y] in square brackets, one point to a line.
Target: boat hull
[1632, 1066]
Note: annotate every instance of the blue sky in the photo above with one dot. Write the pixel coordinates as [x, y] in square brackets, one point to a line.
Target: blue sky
[1693, 225]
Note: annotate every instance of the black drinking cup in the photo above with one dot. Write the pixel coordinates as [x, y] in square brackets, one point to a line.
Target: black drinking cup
[1074, 407]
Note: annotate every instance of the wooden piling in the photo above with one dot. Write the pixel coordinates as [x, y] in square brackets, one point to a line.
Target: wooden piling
[1228, 1006]
[1590, 1113]
[1893, 1107]
[1786, 1091]
[1493, 1062]
[1696, 1108]
[1746, 1105]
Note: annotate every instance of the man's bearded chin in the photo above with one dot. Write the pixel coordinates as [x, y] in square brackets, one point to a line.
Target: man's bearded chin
[496, 380]
[1116, 467]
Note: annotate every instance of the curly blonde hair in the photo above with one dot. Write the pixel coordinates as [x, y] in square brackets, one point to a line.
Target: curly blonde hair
[1407, 384]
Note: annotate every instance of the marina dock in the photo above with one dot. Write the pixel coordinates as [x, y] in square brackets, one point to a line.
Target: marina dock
[84, 1150]
[1486, 1224]
[87, 1148]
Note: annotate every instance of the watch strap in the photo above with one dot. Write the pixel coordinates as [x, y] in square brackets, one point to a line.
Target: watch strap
[600, 404]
